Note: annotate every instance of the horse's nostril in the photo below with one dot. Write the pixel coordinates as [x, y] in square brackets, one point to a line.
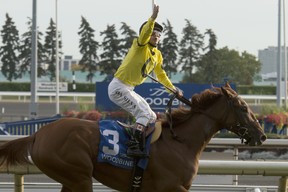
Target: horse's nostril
[263, 138]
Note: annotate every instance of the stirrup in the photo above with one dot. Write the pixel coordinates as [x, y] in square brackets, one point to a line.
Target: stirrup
[136, 145]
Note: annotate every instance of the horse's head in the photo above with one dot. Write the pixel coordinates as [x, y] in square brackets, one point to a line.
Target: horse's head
[240, 119]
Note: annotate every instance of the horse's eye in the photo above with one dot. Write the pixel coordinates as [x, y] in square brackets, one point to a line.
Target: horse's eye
[244, 108]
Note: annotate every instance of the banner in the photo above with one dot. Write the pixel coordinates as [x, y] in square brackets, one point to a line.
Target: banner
[154, 94]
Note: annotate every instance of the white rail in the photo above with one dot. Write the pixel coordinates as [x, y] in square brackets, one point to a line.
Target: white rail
[206, 167]
[215, 142]
[98, 187]
[237, 167]
[24, 96]
[210, 167]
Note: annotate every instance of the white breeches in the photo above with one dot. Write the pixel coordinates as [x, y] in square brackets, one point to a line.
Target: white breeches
[125, 97]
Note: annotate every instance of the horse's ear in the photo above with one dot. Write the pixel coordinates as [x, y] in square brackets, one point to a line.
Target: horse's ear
[225, 89]
[225, 92]
[227, 84]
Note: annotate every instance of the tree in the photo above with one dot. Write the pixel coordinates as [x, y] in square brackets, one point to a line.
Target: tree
[111, 56]
[169, 49]
[208, 62]
[10, 49]
[129, 36]
[50, 49]
[25, 52]
[239, 69]
[250, 67]
[191, 46]
[88, 48]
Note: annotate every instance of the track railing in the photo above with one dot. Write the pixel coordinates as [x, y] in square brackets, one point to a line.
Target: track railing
[206, 167]
[27, 127]
[210, 167]
[25, 96]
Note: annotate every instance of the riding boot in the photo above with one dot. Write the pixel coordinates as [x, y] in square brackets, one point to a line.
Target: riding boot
[136, 145]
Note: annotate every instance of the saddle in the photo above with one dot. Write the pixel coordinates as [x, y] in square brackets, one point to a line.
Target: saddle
[156, 131]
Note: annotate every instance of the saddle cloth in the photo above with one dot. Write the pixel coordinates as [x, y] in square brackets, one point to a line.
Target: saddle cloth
[112, 148]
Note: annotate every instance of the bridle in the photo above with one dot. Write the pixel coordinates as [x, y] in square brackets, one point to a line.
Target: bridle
[238, 128]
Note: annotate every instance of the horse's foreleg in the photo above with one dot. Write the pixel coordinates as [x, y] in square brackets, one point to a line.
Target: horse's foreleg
[79, 187]
[83, 186]
[65, 189]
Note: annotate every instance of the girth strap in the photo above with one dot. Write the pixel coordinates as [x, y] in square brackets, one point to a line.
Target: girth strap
[137, 176]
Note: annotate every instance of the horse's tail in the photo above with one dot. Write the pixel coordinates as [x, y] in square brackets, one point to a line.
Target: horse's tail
[16, 152]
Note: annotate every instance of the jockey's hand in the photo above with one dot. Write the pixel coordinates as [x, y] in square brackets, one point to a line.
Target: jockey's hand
[155, 11]
[178, 92]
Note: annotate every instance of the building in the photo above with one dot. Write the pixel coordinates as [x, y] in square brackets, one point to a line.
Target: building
[67, 62]
[268, 60]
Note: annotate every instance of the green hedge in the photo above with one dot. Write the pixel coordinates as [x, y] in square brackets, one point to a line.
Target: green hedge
[82, 87]
[90, 87]
[256, 90]
[15, 86]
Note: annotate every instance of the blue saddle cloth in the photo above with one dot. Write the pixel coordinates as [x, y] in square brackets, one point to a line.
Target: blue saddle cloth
[112, 148]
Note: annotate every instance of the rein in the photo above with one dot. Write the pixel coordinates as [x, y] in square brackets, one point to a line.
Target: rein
[169, 117]
[238, 129]
[182, 99]
[169, 105]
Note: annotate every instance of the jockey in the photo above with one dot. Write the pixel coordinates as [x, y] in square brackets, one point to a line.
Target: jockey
[143, 58]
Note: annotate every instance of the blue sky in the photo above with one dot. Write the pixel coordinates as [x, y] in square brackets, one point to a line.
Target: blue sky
[239, 24]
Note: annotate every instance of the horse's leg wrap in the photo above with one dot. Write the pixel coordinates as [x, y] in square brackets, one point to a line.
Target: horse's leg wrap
[136, 145]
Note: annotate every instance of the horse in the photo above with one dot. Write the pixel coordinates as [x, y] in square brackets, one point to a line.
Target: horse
[66, 150]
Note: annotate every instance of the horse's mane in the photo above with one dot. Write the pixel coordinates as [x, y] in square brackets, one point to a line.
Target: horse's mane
[200, 101]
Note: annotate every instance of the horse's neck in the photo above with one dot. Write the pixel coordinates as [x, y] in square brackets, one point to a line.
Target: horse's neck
[196, 133]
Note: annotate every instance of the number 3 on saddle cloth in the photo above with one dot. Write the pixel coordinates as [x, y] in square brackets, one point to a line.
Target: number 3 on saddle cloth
[113, 148]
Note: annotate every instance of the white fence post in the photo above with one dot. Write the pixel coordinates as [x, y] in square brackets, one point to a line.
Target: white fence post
[283, 184]
[236, 153]
[18, 183]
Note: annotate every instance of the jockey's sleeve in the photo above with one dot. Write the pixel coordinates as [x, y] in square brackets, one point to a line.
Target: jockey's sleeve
[146, 32]
[162, 76]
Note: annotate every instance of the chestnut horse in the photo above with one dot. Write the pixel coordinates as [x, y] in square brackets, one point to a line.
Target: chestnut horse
[66, 150]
